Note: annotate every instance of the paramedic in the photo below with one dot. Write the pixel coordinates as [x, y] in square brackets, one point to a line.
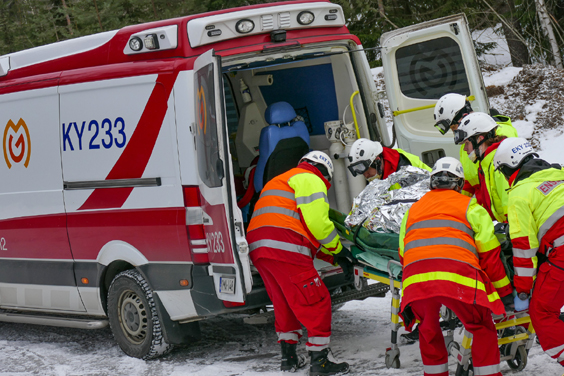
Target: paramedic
[450, 257]
[536, 227]
[289, 224]
[477, 134]
[374, 161]
[449, 110]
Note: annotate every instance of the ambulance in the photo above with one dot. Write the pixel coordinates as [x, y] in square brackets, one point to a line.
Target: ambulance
[131, 157]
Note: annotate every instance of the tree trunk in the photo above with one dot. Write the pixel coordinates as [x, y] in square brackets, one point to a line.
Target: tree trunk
[547, 27]
[67, 17]
[517, 49]
[98, 15]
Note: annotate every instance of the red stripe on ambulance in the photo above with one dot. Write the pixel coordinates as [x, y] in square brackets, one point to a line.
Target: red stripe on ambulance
[132, 162]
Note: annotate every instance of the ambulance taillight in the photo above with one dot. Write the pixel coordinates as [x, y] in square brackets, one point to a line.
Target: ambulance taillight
[195, 221]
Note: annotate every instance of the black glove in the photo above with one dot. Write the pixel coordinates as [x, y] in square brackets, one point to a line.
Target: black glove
[507, 301]
[346, 261]
[501, 231]
[346, 265]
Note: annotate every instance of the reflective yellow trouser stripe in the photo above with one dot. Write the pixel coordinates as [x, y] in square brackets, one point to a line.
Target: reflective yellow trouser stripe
[452, 277]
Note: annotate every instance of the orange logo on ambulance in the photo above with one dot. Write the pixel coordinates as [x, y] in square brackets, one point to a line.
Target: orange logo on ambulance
[17, 143]
[202, 110]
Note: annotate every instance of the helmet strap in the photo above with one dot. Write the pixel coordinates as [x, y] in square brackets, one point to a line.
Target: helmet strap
[378, 165]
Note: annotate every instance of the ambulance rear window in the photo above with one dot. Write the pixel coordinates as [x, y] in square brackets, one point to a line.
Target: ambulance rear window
[429, 69]
[210, 165]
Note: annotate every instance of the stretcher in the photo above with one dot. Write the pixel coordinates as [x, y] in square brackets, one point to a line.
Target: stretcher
[378, 260]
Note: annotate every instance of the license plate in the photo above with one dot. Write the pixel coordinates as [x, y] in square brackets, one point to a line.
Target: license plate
[227, 285]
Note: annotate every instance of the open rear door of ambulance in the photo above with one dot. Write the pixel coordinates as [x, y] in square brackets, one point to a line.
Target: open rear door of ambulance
[226, 245]
[422, 63]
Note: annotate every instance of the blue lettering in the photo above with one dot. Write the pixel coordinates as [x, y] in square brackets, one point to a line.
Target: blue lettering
[108, 144]
[121, 132]
[109, 137]
[79, 133]
[92, 144]
[66, 137]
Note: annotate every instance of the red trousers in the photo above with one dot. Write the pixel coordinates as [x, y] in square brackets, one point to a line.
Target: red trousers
[476, 319]
[547, 300]
[298, 296]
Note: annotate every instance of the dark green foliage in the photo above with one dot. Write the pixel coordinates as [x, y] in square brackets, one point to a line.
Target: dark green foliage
[29, 23]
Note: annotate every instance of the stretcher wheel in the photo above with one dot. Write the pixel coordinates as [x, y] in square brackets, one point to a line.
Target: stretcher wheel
[519, 362]
[392, 363]
[460, 371]
[454, 345]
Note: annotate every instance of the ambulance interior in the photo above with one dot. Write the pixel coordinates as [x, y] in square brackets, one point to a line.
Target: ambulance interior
[318, 84]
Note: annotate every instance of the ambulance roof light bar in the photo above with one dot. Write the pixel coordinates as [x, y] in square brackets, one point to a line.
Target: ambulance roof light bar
[158, 39]
[211, 29]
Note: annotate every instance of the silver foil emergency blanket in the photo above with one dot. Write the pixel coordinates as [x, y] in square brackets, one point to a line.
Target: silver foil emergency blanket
[381, 209]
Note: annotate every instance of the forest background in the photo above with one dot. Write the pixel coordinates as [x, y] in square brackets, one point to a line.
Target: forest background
[534, 29]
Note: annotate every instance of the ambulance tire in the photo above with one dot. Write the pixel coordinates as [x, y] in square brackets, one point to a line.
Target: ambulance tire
[133, 317]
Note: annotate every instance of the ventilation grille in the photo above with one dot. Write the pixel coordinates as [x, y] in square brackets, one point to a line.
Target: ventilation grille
[284, 19]
[267, 22]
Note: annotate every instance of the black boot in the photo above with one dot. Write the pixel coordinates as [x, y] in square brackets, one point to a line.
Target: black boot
[321, 366]
[290, 360]
[412, 337]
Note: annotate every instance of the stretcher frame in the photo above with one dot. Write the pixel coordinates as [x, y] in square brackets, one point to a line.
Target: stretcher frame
[515, 346]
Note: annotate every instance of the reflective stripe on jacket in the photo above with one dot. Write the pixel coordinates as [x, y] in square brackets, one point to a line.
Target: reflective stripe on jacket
[492, 191]
[296, 200]
[504, 128]
[392, 161]
[448, 248]
[535, 215]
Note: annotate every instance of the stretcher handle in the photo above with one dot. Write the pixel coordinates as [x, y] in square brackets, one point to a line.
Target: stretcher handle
[390, 274]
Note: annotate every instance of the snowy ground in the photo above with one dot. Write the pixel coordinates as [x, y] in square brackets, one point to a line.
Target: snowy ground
[361, 334]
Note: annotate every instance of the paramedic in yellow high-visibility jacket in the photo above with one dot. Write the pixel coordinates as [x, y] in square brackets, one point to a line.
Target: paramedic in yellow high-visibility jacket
[536, 227]
[449, 110]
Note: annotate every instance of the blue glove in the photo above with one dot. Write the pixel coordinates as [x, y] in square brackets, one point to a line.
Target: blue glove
[521, 305]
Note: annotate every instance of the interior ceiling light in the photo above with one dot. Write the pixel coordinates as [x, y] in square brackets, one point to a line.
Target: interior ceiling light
[135, 44]
[244, 26]
[305, 18]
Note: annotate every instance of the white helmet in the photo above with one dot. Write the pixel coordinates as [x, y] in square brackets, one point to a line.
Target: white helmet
[363, 153]
[449, 109]
[319, 157]
[447, 173]
[511, 153]
[474, 124]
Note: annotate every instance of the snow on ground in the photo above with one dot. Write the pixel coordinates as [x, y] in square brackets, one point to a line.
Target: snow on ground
[361, 334]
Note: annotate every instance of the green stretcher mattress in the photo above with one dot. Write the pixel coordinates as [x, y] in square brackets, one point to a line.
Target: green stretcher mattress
[373, 248]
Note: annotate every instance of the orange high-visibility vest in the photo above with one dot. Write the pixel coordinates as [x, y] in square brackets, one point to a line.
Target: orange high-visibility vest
[440, 256]
[277, 207]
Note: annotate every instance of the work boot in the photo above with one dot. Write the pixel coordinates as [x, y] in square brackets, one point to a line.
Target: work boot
[412, 337]
[290, 360]
[320, 365]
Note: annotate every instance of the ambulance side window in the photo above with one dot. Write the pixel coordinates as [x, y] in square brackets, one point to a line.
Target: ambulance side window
[210, 166]
[429, 69]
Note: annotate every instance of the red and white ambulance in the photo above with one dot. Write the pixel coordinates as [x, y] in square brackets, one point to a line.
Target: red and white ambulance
[123, 154]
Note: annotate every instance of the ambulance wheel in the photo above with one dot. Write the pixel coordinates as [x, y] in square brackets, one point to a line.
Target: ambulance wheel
[133, 317]
[519, 362]
[392, 363]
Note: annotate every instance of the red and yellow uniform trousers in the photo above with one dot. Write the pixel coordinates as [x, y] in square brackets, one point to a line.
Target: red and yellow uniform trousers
[536, 224]
[289, 224]
[450, 257]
